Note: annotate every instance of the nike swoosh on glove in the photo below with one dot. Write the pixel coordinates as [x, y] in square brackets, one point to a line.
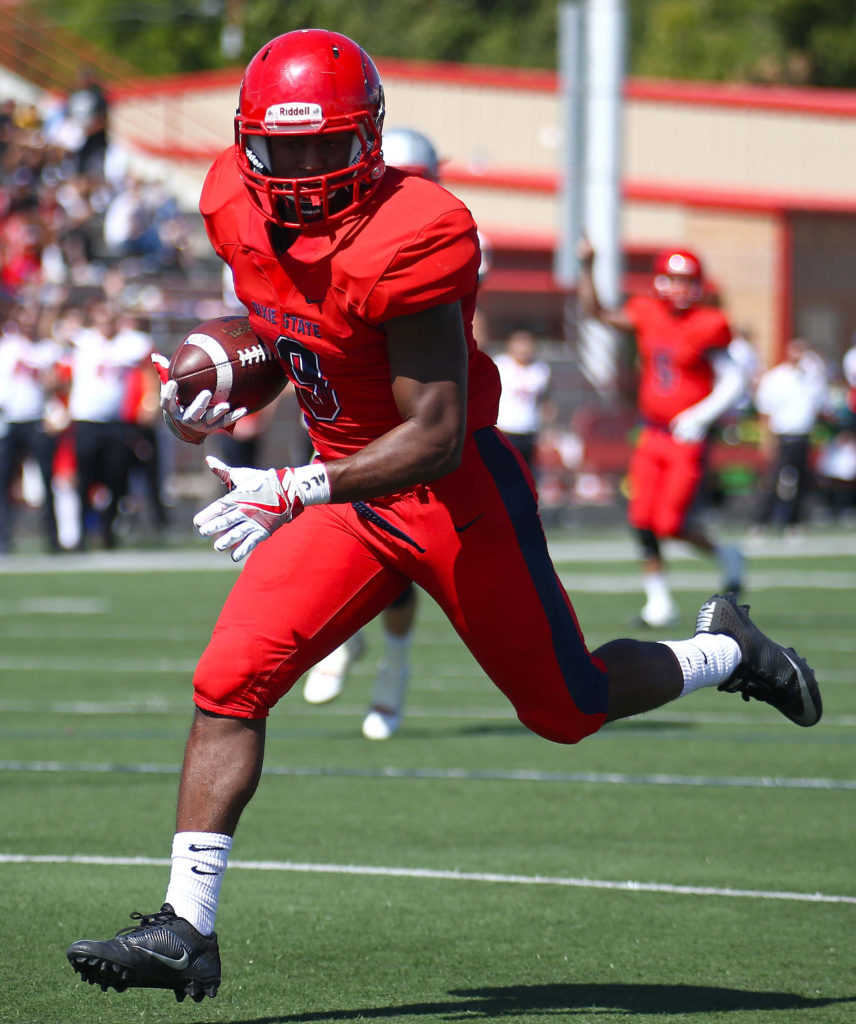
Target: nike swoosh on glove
[195, 422]
[259, 502]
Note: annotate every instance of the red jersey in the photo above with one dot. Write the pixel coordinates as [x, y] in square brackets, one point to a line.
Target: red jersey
[673, 348]
[322, 304]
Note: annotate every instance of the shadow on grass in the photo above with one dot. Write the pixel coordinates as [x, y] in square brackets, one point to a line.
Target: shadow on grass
[517, 1000]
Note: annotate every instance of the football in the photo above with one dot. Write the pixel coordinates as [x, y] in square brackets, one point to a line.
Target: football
[225, 357]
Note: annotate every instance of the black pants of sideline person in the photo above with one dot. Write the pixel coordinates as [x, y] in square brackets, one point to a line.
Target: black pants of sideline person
[786, 484]
[526, 444]
[21, 441]
[103, 457]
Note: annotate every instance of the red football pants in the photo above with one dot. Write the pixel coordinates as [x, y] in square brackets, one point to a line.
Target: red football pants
[664, 477]
[472, 540]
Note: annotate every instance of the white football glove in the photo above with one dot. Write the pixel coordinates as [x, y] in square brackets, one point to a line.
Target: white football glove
[259, 502]
[688, 427]
[693, 424]
[195, 422]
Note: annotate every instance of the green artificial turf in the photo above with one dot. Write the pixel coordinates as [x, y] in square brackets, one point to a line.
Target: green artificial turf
[464, 869]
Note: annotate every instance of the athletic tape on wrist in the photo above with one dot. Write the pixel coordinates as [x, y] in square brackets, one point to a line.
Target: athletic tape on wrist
[313, 483]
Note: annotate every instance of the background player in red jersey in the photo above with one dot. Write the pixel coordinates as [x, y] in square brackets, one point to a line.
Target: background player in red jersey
[687, 380]
[364, 280]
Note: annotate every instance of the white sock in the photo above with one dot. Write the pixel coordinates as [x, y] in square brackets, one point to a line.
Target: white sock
[396, 648]
[393, 671]
[657, 589]
[706, 660]
[731, 564]
[198, 862]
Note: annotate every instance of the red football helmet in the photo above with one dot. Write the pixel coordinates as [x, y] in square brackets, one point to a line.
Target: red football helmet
[678, 277]
[310, 83]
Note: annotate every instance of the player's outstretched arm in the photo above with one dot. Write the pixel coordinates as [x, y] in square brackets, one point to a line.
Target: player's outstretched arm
[589, 300]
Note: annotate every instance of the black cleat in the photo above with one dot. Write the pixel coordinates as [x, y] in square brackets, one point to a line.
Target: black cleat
[768, 671]
[162, 951]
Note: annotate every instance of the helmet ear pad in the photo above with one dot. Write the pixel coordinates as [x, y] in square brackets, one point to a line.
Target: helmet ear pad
[257, 150]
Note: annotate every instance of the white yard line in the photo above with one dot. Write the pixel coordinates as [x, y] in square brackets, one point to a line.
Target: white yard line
[446, 876]
[162, 706]
[456, 774]
[615, 548]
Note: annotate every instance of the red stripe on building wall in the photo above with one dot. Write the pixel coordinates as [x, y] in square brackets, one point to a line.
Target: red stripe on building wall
[794, 100]
[798, 100]
[499, 179]
[478, 75]
[729, 199]
[176, 85]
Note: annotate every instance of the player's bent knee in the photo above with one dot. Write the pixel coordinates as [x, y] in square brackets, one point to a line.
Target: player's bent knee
[669, 526]
[228, 677]
[562, 731]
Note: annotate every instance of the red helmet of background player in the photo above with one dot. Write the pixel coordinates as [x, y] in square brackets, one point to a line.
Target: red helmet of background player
[678, 277]
[310, 83]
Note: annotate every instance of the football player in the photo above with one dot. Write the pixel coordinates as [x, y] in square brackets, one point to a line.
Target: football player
[364, 279]
[410, 151]
[687, 380]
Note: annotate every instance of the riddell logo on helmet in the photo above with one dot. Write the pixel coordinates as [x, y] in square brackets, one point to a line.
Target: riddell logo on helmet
[293, 113]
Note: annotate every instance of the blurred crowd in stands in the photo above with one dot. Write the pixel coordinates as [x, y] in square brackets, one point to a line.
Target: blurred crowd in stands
[86, 249]
[70, 215]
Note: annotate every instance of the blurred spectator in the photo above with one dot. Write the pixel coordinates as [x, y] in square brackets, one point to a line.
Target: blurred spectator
[101, 361]
[69, 321]
[86, 114]
[77, 218]
[21, 268]
[28, 380]
[141, 221]
[525, 384]
[848, 365]
[141, 412]
[836, 475]
[129, 222]
[560, 462]
[789, 399]
[7, 125]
